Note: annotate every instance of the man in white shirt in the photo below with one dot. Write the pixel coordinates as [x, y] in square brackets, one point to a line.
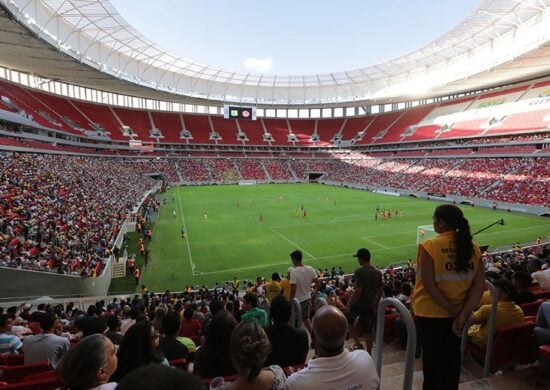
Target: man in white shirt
[334, 368]
[45, 346]
[301, 278]
[542, 277]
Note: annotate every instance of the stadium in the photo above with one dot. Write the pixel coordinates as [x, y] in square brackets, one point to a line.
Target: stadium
[126, 168]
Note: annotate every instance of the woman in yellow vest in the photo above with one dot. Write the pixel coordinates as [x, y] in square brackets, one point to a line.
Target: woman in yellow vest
[449, 284]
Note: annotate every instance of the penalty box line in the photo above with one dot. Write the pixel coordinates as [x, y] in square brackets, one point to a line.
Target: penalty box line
[293, 243]
[289, 263]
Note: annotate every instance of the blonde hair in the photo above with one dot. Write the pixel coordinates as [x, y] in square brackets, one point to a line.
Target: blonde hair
[249, 349]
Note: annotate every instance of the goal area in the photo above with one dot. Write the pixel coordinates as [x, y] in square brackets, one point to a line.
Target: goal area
[424, 232]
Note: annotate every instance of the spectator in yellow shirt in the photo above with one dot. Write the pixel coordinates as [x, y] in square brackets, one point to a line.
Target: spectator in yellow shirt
[508, 313]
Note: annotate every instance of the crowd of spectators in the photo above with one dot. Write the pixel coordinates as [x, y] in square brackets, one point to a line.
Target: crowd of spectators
[62, 213]
[247, 338]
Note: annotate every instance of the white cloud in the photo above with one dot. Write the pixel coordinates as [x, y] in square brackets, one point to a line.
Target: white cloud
[259, 65]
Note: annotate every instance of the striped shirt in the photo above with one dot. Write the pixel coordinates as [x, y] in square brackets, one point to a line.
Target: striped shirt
[9, 343]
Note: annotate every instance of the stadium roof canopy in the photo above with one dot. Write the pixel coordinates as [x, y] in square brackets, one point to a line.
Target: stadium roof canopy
[90, 44]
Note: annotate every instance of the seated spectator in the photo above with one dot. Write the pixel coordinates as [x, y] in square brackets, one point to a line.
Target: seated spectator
[190, 327]
[249, 349]
[542, 277]
[289, 345]
[521, 281]
[333, 299]
[169, 345]
[139, 347]
[160, 313]
[94, 325]
[133, 314]
[155, 376]
[89, 364]
[334, 366]
[212, 359]
[8, 342]
[251, 311]
[46, 346]
[508, 313]
[542, 324]
[114, 334]
[405, 295]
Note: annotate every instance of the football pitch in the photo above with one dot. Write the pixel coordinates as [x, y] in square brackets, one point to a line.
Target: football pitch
[233, 241]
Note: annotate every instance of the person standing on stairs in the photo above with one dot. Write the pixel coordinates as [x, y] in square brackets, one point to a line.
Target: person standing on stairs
[449, 284]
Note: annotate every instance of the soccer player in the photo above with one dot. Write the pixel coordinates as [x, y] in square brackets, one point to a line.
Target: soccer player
[183, 233]
[305, 214]
[174, 214]
[205, 216]
[296, 214]
[260, 217]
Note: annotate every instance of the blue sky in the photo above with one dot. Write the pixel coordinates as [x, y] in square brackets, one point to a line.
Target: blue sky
[292, 36]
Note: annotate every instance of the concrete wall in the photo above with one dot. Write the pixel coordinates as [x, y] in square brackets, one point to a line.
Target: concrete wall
[20, 284]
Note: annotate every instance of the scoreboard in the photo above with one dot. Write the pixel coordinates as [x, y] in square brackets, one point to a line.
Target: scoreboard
[239, 112]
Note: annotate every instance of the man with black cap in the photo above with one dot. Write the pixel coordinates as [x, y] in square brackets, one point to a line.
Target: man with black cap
[363, 303]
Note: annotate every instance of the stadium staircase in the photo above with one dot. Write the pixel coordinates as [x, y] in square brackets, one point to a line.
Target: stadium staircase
[265, 171]
[471, 378]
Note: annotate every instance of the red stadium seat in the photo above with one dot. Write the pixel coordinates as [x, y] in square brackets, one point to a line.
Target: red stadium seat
[513, 344]
[531, 308]
[179, 363]
[545, 350]
[12, 374]
[389, 328]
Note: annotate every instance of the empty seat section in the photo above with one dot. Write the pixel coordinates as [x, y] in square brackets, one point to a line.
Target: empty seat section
[254, 132]
[399, 130]
[27, 102]
[199, 126]
[439, 119]
[354, 126]
[531, 112]
[169, 125]
[278, 129]
[227, 129]
[327, 129]
[137, 120]
[303, 129]
[63, 108]
[103, 116]
[379, 127]
[484, 113]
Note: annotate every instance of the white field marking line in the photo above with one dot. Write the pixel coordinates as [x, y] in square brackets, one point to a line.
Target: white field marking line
[375, 243]
[297, 246]
[186, 235]
[287, 263]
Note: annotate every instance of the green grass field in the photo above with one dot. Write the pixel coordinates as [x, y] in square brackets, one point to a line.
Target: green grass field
[233, 242]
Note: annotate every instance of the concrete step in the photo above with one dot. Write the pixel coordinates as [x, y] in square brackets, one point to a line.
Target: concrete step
[525, 379]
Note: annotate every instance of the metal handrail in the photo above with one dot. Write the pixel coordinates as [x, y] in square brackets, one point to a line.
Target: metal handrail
[411, 338]
[490, 333]
[295, 313]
